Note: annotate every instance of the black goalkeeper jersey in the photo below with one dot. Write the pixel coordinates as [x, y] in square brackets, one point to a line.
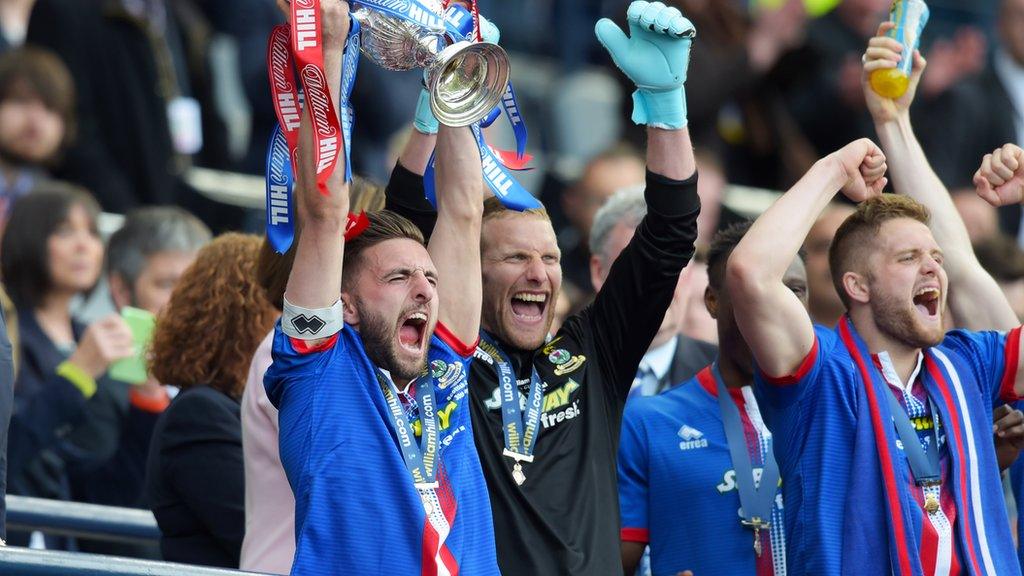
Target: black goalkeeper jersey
[564, 519]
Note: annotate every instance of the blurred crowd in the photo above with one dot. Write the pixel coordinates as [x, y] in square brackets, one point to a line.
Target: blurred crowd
[106, 105]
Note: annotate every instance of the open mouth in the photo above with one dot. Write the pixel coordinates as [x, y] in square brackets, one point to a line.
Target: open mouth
[926, 300]
[411, 332]
[529, 306]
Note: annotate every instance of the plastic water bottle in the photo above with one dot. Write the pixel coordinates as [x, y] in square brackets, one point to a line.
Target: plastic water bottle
[909, 16]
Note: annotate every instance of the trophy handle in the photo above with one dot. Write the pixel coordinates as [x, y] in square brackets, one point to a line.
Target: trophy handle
[467, 81]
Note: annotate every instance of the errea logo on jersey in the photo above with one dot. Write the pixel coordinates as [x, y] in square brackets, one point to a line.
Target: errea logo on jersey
[692, 438]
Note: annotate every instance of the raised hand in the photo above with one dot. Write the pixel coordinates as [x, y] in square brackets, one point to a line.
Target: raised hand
[1008, 427]
[863, 166]
[884, 52]
[655, 56]
[1000, 180]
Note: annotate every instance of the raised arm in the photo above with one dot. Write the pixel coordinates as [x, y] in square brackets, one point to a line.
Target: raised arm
[315, 279]
[773, 321]
[455, 243]
[1000, 181]
[975, 298]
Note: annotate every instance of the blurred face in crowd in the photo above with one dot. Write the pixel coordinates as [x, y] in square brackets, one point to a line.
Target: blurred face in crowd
[152, 289]
[522, 275]
[74, 252]
[393, 304]
[825, 305]
[719, 305]
[980, 218]
[1011, 29]
[906, 285]
[601, 264]
[600, 180]
[30, 133]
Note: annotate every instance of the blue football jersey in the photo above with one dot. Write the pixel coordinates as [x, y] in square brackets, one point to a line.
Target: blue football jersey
[677, 486]
[849, 487]
[356, 509]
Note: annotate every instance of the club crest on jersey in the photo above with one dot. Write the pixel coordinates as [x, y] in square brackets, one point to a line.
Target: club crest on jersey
[570, 365]
[444, 373]
[559, 356]
[692, 438]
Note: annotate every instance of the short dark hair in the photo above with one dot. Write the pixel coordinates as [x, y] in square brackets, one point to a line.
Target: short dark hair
[384, 225]
[24, 262]
[273, 269]
[857, 232]
[151, 230]
[36, 73]
[722, 245]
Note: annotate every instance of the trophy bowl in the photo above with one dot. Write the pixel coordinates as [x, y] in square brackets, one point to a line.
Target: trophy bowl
[465, 80]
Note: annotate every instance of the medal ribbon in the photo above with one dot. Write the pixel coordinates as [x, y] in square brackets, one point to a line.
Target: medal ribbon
[420, 458]
[307, 49]
[282, 150]
[504, 186]
[408, 10]
[283, 141]
[280, 186]
[756, 502]
[520, 429]
[925, 465]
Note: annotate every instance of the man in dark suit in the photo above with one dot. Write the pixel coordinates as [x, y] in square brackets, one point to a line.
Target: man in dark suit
[672, 357]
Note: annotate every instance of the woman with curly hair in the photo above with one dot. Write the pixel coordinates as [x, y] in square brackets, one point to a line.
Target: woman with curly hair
[203, 343]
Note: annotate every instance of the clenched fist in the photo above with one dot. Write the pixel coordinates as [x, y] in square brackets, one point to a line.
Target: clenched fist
[1000, 180]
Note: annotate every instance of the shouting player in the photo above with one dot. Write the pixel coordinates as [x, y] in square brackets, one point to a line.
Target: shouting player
[369, 373]
[883, 425]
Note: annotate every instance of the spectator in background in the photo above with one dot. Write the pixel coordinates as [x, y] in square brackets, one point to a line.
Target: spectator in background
[696, 322]
[37, 101]
[144, 99]
[52, 253]
[269, 543]
[607, 173]
[1004, 260]
[824, 304]
[672, 357]
[981, 110]
[145, 259]
[204, 340]
[980, 218]
[742, 63]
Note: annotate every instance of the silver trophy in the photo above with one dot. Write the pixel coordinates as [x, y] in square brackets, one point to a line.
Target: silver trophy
[465, 80]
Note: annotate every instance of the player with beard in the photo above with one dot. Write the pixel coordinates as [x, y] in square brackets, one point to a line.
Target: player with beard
[377, 443]
[882, 425]
[547, 411]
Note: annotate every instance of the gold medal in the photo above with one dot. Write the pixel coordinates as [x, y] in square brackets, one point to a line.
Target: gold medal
[931, 504]
[517, 474]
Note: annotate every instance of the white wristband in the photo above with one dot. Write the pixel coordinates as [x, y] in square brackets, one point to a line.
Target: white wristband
[306, 324]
